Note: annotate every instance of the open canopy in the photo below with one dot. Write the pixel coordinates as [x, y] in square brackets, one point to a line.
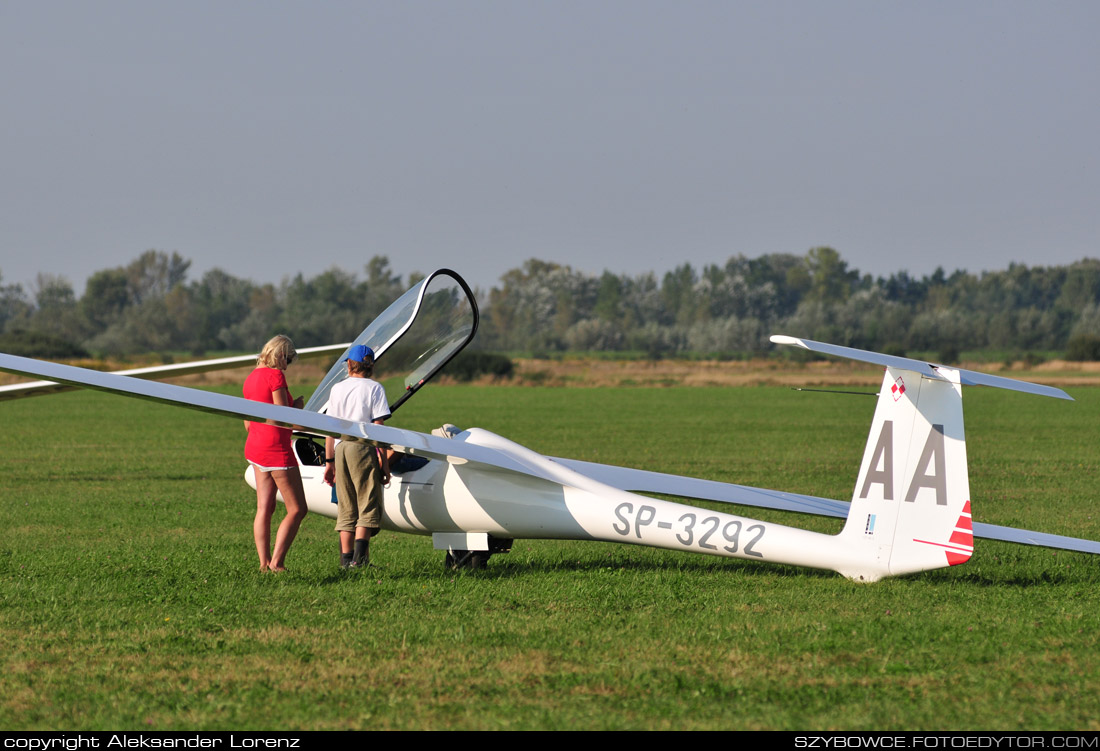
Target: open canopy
[413, 338]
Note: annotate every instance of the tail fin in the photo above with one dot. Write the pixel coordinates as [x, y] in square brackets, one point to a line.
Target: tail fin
[911, 505]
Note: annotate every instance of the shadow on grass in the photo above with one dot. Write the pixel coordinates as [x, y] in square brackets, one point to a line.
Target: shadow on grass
[499, 568]
[1074, 576]
[987, 573]
[509, 569]
[991, 575]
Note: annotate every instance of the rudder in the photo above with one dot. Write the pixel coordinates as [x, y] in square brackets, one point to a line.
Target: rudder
[911, 504]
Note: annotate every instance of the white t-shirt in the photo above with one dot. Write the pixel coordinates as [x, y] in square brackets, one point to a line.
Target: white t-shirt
[359, 400]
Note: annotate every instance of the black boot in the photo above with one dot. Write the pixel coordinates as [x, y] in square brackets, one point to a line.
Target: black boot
[362, 553]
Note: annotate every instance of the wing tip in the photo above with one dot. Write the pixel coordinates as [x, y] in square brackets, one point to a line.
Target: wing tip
[791, 340]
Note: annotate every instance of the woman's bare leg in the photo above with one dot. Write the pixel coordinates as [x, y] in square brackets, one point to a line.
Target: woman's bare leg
[289, 482]
[265, 507]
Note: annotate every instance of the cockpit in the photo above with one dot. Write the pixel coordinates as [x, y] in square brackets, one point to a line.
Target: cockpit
[412, 339]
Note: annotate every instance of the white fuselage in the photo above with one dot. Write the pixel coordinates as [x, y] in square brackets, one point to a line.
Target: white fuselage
[442, 497]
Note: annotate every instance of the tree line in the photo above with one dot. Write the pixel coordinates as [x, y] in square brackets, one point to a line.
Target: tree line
[544, 307]
[734, 308]
[150, 306]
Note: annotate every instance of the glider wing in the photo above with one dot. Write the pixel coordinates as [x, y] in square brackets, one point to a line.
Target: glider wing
[404, 441]
[38, 388]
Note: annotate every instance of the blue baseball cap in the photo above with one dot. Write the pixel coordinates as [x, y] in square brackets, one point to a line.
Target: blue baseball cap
[360, 353]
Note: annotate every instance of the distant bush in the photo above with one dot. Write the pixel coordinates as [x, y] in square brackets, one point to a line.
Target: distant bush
[1083, 347]
[469, 365]
[949, 355]
[38, 344]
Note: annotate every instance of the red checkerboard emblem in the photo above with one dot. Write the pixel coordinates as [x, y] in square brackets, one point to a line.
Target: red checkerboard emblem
[898, 389]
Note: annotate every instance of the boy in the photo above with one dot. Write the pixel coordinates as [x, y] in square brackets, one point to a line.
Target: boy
[361, 470]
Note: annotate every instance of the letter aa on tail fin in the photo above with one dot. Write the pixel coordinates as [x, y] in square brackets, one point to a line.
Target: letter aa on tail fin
[911, 504]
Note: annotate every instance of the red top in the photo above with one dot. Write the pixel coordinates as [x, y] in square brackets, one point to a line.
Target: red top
[267, 445]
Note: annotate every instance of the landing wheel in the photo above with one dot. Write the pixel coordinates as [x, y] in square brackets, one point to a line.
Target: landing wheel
[466, 560]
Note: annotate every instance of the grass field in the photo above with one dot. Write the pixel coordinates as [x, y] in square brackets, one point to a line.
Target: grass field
[129, 596]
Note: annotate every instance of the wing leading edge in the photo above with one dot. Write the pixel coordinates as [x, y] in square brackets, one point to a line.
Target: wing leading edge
[38, 388]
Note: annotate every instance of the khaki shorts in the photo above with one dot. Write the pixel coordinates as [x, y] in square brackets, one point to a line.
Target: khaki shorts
[358, 487]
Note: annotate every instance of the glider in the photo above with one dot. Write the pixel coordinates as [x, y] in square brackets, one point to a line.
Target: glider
[475, 492]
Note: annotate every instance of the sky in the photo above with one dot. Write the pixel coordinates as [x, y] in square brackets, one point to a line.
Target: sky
[274, 138]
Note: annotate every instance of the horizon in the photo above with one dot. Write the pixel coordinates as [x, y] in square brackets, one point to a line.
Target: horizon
[404, 275]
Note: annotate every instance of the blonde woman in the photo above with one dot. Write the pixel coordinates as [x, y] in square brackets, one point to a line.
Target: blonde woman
[269, 451]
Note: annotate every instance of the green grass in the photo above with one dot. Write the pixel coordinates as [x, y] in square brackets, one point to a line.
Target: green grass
[129, 596]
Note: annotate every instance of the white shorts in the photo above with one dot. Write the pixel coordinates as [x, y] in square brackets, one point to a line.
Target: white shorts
[268, 469]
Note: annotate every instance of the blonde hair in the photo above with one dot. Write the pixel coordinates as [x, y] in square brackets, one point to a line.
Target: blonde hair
[279, 351]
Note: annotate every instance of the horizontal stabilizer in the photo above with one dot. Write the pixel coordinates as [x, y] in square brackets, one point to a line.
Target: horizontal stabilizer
[1039, 539]
[927, 369]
